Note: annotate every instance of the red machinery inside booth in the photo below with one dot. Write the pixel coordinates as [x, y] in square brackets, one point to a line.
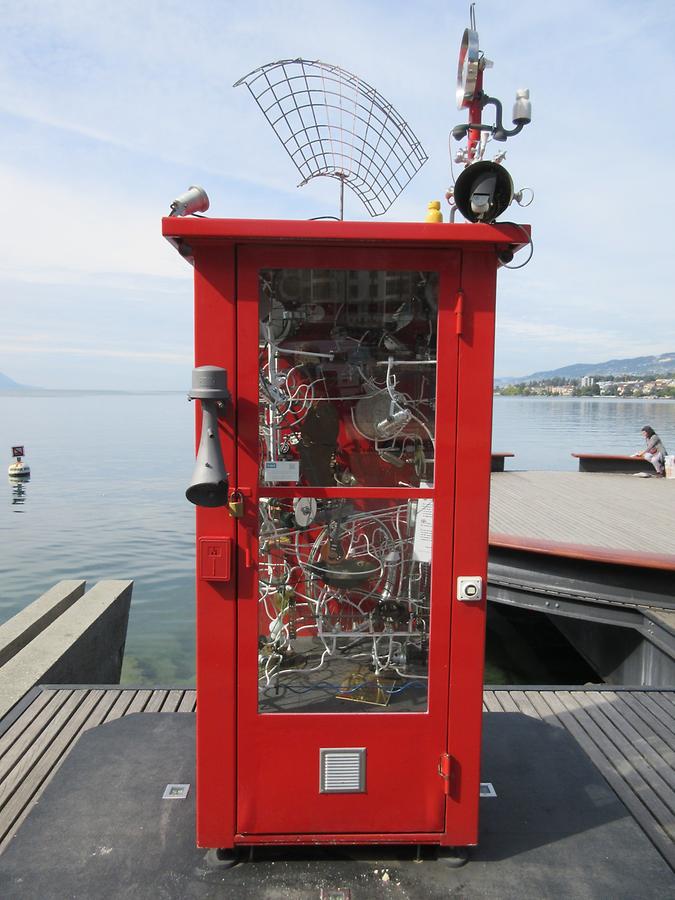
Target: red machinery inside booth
[340, 594]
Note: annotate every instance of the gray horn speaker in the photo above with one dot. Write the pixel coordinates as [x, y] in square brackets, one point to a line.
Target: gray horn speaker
[209, 485]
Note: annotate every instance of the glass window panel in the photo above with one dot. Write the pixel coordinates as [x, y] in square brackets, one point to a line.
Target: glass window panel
[344, 605]
[347, 377]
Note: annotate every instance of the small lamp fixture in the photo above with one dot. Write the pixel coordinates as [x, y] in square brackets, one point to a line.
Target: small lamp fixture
[194, 200]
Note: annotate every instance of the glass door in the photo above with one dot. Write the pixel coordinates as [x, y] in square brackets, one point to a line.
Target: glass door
[347, 365]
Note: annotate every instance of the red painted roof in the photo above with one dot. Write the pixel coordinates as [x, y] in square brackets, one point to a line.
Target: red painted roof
[330, 231]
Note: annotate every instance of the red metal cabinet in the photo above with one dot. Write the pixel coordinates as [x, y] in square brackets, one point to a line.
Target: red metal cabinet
[339, 676]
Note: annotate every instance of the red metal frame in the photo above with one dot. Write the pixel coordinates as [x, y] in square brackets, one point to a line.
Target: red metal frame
[393, 801]
[226, 335]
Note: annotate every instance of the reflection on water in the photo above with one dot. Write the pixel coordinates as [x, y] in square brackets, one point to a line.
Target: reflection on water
[19, 492]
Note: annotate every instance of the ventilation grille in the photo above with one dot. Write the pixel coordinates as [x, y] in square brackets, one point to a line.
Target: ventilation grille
[343, 770]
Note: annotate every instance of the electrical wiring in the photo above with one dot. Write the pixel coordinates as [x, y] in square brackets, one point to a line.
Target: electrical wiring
[328, 688]
[530, 243]
[344, 586]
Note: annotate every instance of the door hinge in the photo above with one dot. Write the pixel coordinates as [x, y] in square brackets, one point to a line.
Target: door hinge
[459, 313]
[445, 770]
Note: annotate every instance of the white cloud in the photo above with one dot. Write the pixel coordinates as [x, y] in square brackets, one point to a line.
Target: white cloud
[62, 235]
[48, 348]
[580, 338]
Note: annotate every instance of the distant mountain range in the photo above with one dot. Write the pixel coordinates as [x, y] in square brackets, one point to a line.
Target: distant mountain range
[6, 383]
[637, 365]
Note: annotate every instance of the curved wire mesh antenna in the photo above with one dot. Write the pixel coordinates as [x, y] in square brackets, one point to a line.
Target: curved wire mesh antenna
[333, 123]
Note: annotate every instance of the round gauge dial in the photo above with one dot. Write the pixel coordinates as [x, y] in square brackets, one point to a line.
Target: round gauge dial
[305, 510]
[467, 68]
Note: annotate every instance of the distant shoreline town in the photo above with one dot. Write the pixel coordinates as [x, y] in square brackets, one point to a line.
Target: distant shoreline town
[645, 387]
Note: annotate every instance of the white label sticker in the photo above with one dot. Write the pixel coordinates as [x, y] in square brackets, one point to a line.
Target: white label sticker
[424, 523]
[283, 470]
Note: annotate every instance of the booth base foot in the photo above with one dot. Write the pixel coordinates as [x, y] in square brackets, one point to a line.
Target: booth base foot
[454, 857]
[219, 858]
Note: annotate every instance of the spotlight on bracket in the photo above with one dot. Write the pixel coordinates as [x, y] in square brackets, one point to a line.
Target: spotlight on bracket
[194, 200]
[483, 191]
[210, 483]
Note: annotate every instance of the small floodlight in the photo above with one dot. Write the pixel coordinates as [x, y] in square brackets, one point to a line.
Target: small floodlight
[483, 191]
[194, 200]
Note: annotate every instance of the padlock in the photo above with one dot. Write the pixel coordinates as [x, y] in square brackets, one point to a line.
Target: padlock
[236, 505]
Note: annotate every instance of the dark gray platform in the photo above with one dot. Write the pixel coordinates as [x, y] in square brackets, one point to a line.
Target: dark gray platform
[102, 830]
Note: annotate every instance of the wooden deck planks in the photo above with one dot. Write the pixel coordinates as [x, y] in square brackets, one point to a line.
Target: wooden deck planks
[635, 769]
[667, 705]
[42, 758]
[593, 509]
[631, 746]
[490, 702]
[578, 723]
[652, 723]
[39, 728]
[659, 712]
[156, 701]
[173, 700]
[649, 747]
[139, 702]
[10, 738]
[629, 735]
[623, 704]
[189, 702]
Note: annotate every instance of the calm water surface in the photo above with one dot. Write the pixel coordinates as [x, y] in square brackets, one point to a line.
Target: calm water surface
[106, 498]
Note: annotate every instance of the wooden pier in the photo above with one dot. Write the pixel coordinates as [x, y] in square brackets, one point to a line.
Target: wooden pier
[628, 734]
[614, 518]
[595, 553]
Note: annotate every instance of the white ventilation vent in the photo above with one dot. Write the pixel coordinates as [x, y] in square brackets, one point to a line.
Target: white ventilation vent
[342, 770]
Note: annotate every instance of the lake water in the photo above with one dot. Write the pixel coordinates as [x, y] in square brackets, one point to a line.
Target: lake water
[106, 497]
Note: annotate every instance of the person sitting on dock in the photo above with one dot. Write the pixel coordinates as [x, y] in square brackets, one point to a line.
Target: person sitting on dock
[654, 452]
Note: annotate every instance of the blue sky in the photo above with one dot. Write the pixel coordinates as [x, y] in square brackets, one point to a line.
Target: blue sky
[108, 111]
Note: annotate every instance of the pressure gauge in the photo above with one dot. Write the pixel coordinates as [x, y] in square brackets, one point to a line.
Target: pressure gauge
[467, 69]
[305, 510]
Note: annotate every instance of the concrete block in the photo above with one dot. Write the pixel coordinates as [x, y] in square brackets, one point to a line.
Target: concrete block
[22, 628]
[84, 645]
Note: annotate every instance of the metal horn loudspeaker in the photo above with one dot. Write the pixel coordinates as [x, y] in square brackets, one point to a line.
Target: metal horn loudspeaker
[483, 191]
[209, 485]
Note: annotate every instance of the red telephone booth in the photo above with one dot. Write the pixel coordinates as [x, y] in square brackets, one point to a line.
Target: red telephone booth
[341, 593]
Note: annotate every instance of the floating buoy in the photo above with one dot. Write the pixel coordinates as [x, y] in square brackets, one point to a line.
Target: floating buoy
[18, 469]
